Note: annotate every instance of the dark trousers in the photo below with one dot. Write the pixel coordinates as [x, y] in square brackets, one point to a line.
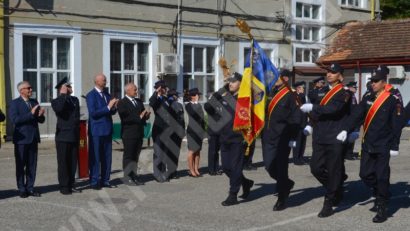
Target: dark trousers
[276, 160]
[131, 154]
[100, 153]
[249, 158]
[348, 151]
[174, 149]
[232, 155]
[327, 166]
[213, 153]
[26, 165]
[375, 172]
[66, 163]
[299, 150]
[160, 159]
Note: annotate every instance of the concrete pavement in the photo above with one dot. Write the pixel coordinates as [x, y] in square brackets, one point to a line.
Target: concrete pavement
[195, 203]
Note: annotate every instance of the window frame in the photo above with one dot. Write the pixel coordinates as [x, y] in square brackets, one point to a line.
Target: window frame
[311, 4]
[53, 32]
[273, 56]
[305, 47]
[131, 37]
[198, 42]
[361, 4]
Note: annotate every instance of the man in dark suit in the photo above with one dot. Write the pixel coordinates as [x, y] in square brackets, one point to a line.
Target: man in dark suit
[67, 109]
[161, 131]
[133, 116]
[100, 109]
[25, 114]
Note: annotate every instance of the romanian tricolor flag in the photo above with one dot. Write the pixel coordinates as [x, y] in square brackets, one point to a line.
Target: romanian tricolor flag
[258, 79]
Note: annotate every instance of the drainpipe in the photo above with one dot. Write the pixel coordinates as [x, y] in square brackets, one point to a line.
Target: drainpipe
[2, 78]
[372, 10]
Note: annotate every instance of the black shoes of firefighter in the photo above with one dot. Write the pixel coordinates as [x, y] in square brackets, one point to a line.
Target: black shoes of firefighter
[249, 167]
[246, 188]
[381, 215]
[327, 209]
[283, 196]
[230, 200]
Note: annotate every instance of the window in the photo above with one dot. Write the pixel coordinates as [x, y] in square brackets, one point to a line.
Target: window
[306, 55]
[46, 60]
[307, 11]
[129, 63]
[351, 3]
[307, 33]
[199, 68]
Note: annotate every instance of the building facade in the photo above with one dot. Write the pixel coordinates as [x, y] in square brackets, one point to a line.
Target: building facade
[178, 41]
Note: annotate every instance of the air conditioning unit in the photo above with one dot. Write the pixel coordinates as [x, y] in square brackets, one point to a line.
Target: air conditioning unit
[167, 63]
[397, 72]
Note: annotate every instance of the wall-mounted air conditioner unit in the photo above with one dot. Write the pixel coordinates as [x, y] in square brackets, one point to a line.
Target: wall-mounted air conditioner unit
[167, 63]
[397, 72]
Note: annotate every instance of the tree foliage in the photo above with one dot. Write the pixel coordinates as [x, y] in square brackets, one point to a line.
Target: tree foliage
[395, 9]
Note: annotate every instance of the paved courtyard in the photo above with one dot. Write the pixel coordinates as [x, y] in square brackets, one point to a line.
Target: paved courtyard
[195, 203]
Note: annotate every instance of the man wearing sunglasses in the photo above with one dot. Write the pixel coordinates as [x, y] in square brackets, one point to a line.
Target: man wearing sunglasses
[381, 121]
[25, 113]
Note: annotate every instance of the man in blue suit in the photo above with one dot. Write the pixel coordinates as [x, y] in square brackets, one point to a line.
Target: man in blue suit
[25, 114]
[100, 109]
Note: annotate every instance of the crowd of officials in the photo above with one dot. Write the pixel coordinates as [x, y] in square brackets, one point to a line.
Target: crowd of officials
[330, 113]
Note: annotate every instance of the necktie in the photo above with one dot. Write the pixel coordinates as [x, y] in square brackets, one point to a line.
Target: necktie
[28, 104]
[103, 96]
[134, 102]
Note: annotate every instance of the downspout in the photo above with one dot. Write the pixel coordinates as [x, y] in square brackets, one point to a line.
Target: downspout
[2, 77]
[360, 80]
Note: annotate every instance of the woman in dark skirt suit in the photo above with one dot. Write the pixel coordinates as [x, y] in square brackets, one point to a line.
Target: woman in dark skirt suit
[195, 131]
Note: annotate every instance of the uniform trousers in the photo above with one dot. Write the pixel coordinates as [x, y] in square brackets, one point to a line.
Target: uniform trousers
[299, 150]
[66, 163]
[327, 166]
[213, 153]
[276, 160]
[232, 155]
[375, 172]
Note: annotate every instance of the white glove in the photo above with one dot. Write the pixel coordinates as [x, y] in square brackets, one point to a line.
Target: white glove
[308, 130]
[394, 153]
[306, 108]
[292, 144]
[352, 137]
[342, 136]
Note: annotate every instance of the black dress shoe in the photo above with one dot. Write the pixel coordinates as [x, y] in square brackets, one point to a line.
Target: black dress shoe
[219, 172]
[327, 209]
[34, 194]
[95, 187]
[137, 182]
[381, 215]
[212, 173]
[246, 188]
[279, 205]
[75, 190]
[230, 200]
[23, 194]
[65, 191]
[108, 185]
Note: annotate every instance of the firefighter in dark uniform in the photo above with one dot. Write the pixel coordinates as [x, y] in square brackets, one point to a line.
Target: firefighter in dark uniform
[178, 128]
[299, 150]
[384, 70]
[233, 146]
[67, 109]
[279, 136]
[214, 108]
[382, 123]
[319, 90]
[327, 158]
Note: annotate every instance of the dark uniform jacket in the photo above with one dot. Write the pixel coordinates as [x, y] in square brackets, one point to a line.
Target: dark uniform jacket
[228, 135]
[384, 131]
[329, 119]
[304, 116]
[316, 95]
[178, 116]
[214, 108]
[132, 126]
[285, 117]
[67, 109]
[163, 114]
